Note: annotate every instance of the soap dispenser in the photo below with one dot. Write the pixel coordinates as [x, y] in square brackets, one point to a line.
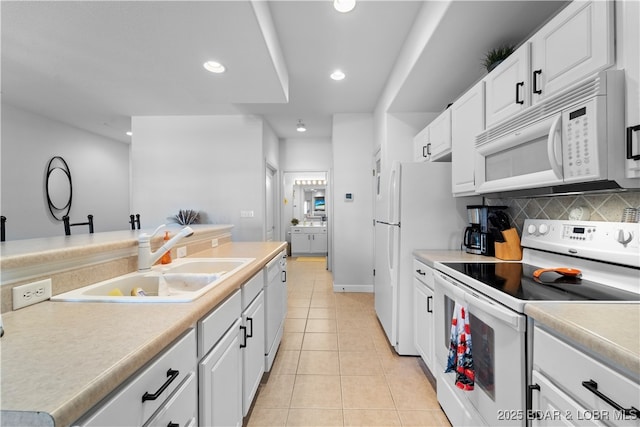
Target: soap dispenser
[166, 258]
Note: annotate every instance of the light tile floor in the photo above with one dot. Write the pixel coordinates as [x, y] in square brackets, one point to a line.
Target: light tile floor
[335, 366]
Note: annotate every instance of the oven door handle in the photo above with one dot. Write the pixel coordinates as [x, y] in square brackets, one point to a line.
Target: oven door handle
[513, 319]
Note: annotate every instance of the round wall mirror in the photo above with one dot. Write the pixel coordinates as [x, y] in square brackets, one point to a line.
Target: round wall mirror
[59, 187]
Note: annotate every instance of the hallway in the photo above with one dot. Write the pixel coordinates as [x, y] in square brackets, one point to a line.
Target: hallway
[335, 366]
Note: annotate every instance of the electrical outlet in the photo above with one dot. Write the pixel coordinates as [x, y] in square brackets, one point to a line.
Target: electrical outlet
[246, 214]
[182, 251]
[31, 293]
[214, 243]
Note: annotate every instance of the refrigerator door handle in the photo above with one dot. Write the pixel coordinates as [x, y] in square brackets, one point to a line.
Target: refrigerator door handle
[394, 224]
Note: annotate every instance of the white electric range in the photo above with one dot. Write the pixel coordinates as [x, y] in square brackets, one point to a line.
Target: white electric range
[495, 294]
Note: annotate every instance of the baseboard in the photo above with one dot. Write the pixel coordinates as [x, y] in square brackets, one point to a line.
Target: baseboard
[352, 288]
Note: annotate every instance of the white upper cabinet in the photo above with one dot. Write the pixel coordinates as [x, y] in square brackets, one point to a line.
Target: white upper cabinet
[440, 137]
[467, 120]
[421, 146]
[628, 45]
[575, 44]
[507, 86]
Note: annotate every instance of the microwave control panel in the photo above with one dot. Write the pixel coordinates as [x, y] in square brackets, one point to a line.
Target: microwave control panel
[580, 135]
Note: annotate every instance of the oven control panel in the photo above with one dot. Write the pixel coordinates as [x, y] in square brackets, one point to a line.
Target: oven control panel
[617, 242]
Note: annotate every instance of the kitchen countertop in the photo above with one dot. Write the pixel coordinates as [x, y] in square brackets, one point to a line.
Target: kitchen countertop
[61, 358]
[588, 324]
[430, 257]
[609, 330]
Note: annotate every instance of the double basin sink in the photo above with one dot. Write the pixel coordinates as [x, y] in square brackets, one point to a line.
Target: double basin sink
[184, 280]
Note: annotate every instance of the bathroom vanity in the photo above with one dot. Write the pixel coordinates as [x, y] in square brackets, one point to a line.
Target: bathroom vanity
[309, 240]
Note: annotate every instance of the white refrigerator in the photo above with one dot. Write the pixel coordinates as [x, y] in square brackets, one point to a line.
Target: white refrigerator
[421, 213]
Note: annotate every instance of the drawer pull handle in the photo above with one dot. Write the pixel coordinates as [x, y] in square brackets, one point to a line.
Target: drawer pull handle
[518, 100]
[244, 332]
[172, 375]
[592, 386]
[537, 90]
[172, 424]
[429, 309]
[284, 275]
[420, 272]
[536, 415]
[250, 320]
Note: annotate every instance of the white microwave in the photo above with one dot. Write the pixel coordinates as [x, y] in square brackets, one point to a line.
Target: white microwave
[573, 141]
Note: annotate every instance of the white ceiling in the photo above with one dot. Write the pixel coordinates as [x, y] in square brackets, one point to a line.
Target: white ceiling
[96, 64]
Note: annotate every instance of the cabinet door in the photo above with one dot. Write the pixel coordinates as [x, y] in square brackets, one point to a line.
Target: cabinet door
[467, 120]
[319, 243]
[575, 44]
[440, 136]
[220, 382]
[300, 243]
[553, 407]
[628, 24]
[253, 352]
[507, 87]
[421, 146]
[424, 326]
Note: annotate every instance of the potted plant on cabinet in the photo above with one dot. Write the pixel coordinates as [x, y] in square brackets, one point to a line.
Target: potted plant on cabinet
[294, 221]
[495, 56]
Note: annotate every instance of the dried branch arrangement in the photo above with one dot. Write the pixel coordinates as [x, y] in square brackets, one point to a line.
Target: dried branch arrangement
[186, 217]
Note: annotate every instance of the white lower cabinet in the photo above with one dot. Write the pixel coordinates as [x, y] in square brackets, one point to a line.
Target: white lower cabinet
[181, 410]
[207, 377]
[569, 387]
[275, 295]
[161, 387]
[220, 382]
[309, 240]
[424, 327]
[252, 350]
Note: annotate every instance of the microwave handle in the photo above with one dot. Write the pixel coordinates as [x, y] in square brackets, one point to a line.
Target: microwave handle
[551, 147]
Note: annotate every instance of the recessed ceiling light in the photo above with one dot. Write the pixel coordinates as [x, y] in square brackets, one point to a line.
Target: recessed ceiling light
[214, 67]
[338, 75]
[344, 6]
[301, 127]
[129, 133]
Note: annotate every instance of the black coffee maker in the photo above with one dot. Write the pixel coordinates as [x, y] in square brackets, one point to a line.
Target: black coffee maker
[485, 224]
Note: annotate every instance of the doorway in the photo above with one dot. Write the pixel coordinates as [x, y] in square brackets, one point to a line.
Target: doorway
[306, 198]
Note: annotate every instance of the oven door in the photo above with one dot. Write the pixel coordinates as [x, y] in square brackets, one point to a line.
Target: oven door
[525, 158]
[498, 351]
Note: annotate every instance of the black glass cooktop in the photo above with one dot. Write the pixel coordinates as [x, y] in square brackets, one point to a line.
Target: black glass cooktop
[516, 279]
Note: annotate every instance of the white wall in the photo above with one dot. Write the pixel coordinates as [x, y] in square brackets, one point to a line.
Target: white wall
[353, 226]
[313, 154]
[99, 171]
[213, 164]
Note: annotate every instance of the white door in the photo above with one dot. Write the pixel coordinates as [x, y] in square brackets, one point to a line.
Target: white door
[575, 44]
[507, 86]
[270, 217]
[220, 382]
[467, 121]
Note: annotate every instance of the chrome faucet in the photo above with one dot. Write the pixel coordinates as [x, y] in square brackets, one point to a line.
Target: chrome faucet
[146, 258]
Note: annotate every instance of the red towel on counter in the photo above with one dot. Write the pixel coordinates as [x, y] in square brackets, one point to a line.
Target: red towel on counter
[460, 360]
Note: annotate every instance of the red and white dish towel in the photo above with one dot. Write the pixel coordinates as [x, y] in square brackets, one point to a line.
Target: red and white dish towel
[460, 360]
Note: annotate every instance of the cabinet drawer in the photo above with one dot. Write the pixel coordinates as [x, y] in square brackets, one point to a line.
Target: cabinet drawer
[251, 289]
[568, 367]
[273, 269]
[213, 326]
[181, 408]
[127, 408]
[423, 273]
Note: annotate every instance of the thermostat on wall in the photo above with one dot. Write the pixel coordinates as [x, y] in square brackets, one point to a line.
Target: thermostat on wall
[348, 197]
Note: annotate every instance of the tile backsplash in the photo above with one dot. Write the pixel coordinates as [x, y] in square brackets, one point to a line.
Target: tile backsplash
[600, 207]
